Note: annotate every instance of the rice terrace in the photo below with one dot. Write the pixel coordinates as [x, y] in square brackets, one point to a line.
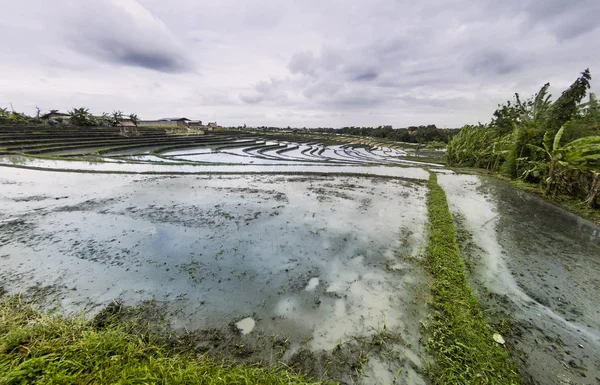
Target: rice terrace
[237, 255]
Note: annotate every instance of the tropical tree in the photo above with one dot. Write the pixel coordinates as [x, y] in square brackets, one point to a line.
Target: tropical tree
[18, 118]
[81, 117]
[477, 146]
[567, 105]
[4, 115]
[535, 109]
[134, 119]
[582, 154]
[117, 116]
[591, 109]
[105, 120]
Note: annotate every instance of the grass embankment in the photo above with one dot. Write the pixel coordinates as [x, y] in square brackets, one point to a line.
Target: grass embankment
[459, 338]
[46, 349]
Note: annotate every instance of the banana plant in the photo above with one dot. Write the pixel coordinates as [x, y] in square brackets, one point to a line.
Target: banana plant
[581, 154]
[591, 108]
[81, 117]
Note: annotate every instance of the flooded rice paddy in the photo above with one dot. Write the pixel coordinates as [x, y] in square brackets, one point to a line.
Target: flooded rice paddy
[302, 253]
[311, 270]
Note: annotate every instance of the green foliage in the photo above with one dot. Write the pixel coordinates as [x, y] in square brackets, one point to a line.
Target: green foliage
[567, 105]
[13, 118]
[591, 110]
[413, 134]
[117, 116]
[505, 116]
[471, 148]
[4, 115]
[459, 338]
[105, 120]
[81, 117]
[41, 349]
[534, 148]
[436, 144]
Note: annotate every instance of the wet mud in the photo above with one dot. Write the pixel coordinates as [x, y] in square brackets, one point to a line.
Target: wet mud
[535, 267]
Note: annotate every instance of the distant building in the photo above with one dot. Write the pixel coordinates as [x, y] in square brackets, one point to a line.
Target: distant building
[54, 117]
[211, 126]
[167, 122]
[195, 123]
[125, 123]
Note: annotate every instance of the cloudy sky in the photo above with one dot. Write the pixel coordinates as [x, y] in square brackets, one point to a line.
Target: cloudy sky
[298, 63]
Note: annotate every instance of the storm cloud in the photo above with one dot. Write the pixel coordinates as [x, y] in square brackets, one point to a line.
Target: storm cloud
[309, 63]
[121, 32]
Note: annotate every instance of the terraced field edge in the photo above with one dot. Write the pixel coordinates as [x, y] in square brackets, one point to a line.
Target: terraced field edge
[458, 337]
[37, 348]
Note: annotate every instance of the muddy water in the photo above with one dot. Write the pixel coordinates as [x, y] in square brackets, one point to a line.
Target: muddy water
[538, 265]
[324, 264]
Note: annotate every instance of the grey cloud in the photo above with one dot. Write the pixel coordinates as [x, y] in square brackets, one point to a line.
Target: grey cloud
[264, 91]
[252, 98]
[565, 19]
[337, 63]
[123, 33]
[492, 62]
[118, 51]
[303, 63]
[366, 76]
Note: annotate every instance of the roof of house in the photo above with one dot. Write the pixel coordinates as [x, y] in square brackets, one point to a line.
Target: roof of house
[173, 119]
[53, 113]
[125, 123]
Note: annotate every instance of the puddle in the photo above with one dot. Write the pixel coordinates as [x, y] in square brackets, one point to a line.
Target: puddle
[246, 325]
[312, 284]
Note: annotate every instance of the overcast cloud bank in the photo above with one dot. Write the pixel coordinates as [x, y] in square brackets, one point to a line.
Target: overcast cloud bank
[309, 63]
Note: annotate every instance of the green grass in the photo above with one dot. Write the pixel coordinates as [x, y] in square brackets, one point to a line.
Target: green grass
[458, 336]
[37, 348]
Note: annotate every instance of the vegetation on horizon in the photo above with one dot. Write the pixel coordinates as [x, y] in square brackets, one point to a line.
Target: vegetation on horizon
[553, 144]
[458, 336]
[412, 134]
[79, 117]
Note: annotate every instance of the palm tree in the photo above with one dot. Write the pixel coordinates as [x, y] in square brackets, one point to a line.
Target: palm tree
[134, 119]
[117, 116]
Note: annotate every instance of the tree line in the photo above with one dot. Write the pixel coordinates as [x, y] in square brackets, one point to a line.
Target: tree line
[555, 144]
[412, 134]
[80, 117]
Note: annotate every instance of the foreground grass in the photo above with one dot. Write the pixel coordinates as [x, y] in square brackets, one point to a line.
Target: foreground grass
[42, 349]
[458, 337]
